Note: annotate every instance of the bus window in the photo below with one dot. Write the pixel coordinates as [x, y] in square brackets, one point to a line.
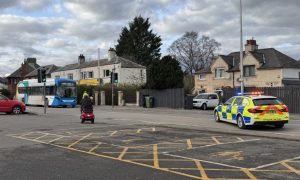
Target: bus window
[66, 90]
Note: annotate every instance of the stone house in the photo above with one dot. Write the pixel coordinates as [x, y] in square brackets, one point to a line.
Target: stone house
[98, 71]
[262, 68]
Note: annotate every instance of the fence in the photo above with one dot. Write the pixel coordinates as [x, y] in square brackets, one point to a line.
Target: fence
[171, 98]
[289, 95]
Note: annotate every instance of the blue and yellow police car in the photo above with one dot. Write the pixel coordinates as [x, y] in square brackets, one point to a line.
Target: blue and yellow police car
[253, 109]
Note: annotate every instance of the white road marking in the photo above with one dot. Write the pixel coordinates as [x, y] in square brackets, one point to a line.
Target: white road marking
[274, 163]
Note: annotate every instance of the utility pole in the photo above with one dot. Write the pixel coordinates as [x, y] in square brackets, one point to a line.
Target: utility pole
[99, 67]
[241, 51]
[44, 97]
[112, 86]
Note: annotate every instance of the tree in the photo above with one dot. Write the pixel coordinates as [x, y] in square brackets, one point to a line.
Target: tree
[164, 74]
[194, 52]
[139, 43]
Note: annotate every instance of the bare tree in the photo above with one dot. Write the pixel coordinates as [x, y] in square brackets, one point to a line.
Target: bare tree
[194, 52]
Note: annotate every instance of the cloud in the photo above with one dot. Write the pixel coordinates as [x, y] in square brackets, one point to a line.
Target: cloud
[57, 31]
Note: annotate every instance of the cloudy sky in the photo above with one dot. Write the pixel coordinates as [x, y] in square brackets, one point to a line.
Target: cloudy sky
[57, 31]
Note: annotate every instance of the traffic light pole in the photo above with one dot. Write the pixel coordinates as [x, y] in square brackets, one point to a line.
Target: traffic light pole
[44, 97]
[112, 86]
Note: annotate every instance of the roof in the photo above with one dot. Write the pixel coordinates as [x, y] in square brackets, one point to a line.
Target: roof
[204, 71]
[269, 58]
[125, 63]
[18, 72]
[261, 97]
[3, 80]
[49, 69]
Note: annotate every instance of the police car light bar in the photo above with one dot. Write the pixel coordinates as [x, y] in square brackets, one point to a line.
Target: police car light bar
[254, 93]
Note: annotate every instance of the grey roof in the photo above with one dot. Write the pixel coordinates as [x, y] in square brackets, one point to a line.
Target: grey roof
[3, 80]
[125, 63]
[18, 72]
[49, 69]
[204, 71]
[269, 58]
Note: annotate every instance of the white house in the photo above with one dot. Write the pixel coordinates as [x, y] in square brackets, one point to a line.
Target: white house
[94, 71]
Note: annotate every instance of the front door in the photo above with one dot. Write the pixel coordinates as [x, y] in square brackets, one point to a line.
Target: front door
[237, 108]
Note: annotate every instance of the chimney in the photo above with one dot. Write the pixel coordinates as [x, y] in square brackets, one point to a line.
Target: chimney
[251, 45]
[81, 59]
[111, 54]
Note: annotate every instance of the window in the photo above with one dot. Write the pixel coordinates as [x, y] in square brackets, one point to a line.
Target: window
[249, 70]
[229, 101]
[213, 96]
[91, 74]
[202, 76]
[106, 73]
[57, 76]
[3, 97]
[267, 101]
[70, 76]
[15, 81]
[219, 73]
[83, 75]
[238, 101]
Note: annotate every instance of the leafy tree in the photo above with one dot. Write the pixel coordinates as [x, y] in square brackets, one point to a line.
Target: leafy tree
[139, 43]
[164, 74]
[194, 52]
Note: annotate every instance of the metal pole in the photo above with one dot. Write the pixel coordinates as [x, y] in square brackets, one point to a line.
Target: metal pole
[44, 96]
[241, 50]
[112, 86]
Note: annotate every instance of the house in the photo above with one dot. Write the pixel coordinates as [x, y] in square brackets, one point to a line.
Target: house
[262, 68]
[49, 69]
[3, 83]
[14, 78]
[99, 71]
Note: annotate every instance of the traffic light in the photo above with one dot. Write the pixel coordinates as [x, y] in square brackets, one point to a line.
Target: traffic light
[42, 75]
[39, 76]
[114, 77]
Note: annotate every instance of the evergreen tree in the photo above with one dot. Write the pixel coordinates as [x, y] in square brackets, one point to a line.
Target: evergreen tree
[165, 74]
[139, 43]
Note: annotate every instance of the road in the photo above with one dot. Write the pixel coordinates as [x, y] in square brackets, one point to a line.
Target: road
[136, 143]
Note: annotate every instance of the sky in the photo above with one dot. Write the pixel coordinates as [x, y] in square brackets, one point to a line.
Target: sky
[58, 31]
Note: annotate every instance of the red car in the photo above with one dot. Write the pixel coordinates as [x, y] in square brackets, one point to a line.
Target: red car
[11, 106]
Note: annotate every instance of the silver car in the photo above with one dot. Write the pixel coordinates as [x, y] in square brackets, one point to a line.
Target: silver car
[206, 100]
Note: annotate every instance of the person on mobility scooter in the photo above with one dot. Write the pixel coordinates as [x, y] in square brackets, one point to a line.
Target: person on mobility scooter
[87, 110]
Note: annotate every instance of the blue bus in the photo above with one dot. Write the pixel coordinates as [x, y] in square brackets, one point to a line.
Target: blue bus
[60, 92]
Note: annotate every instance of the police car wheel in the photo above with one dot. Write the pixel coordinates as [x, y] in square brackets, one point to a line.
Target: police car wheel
[279, 125]
[216, 116]
[240, 122]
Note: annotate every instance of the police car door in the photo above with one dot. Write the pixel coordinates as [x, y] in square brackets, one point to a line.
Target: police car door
[226, 109]
[237, 107]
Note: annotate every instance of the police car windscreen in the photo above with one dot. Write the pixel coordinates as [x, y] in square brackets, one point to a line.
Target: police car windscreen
[266, 101]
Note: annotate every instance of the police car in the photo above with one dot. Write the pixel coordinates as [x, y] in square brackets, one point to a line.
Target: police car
[253, 109]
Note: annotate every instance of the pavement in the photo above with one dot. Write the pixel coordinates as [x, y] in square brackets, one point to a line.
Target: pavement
[137, 143]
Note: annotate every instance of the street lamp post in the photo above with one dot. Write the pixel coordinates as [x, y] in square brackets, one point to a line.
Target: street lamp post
[241, 50]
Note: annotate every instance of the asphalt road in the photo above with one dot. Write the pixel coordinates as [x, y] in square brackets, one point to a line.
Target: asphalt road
[136, 143]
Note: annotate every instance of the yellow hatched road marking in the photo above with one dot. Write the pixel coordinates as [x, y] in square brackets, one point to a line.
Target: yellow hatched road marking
[79, 140]
[113, 133]
[202, 171]
[139, 130]
[94, 148]
[155, 156]
[189, 143]
[41, 136]
[248, 173]
[240, 139]
[56, 139]
[290, 167]
[216, 140]
[123, 153]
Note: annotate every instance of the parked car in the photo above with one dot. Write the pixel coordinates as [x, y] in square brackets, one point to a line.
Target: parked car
[11, 106]
[253, 110]
[206, 100]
